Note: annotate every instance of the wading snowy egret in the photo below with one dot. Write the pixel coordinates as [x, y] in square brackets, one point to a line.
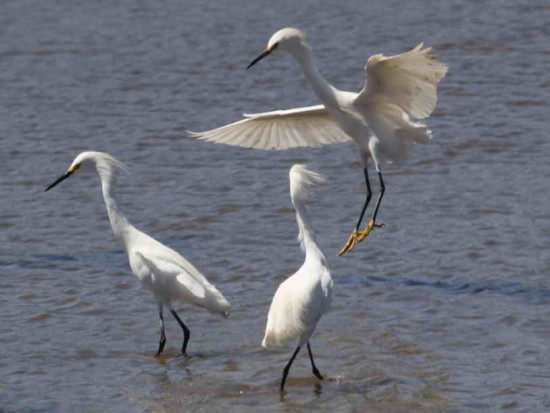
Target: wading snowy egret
[304, 297]
[163, 271]
[378, 118]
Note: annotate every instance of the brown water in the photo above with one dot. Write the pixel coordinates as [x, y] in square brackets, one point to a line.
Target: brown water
[445, 309]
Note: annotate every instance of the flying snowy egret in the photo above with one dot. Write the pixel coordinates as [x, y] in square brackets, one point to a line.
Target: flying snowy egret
[378, 118]
[304, 297]
[163, 271]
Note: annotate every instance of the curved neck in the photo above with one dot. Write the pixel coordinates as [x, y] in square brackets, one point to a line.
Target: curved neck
[306, 234]
[119, 223]
[323, 89]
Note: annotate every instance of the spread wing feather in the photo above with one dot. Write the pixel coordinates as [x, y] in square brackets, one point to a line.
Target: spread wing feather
[408, 80]
[309, 126]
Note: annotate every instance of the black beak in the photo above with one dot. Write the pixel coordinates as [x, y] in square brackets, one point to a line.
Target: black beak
[58, 180]
[260, 57]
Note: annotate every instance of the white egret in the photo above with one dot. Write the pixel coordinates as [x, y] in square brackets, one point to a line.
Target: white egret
[304, 297]
[163, 271]
[378, 118]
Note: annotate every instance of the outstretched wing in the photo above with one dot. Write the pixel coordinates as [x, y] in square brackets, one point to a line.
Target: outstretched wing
[282, 129]
[408, 80]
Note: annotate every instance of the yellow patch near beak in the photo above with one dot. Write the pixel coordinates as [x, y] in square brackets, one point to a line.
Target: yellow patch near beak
[74, 168]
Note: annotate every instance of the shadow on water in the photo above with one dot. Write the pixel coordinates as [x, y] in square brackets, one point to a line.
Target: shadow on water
[302, 395]
[244, 381]
[317, 391]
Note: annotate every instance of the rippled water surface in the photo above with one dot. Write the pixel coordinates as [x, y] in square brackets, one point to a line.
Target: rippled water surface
[445, 309]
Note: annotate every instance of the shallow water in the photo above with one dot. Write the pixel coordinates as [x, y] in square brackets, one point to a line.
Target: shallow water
[444, 309]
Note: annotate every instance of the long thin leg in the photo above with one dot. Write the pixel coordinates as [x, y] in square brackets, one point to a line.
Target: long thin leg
[186, 332]
[372, 223]
[352, 240]
[367, 200]
[287, 368]
[315, 371]
[162, 341]
[382, 190]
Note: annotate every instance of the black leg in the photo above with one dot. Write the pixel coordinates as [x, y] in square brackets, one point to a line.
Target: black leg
[186, 332]
[367, 200]
[162, 341]
[287, 368]
[315, 371]
[382, 189]
[357, 236]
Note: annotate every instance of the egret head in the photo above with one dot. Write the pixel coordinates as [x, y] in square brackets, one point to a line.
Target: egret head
[104, 162]
[285, 40]
[302, 181]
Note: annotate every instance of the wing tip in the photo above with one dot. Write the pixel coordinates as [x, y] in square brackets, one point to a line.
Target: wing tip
[371, 61]
[195, 135]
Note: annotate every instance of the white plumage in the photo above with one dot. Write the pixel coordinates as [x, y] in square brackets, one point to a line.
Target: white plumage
[282, 129]
[304, 297]
[161, 270]
[379, 118]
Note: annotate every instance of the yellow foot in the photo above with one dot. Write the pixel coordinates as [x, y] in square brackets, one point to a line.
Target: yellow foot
[350, 244]
[367, 230]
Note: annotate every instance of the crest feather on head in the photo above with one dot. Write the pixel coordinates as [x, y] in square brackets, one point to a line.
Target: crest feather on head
[302, 181]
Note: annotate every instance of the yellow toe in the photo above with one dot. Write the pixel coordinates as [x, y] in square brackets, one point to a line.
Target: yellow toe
[368, 229]
[350, 244]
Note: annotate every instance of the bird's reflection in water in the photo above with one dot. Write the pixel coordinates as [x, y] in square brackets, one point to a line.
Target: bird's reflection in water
[318, 389]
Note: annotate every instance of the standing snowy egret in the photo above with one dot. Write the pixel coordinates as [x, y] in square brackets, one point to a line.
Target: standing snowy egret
[304, 297]
[163, 271]
[378, 118]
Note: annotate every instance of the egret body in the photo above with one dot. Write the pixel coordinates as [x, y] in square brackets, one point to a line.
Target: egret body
[378, 118]
[161, 270]
[304, 297]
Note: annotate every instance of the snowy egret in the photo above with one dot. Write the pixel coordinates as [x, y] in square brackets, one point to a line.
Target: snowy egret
[378, 118]
[163, 271]
[301, 299]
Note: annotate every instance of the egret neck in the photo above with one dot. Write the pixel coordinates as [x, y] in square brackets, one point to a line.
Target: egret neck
[323, 89]
[306, 235]
[120, 225]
